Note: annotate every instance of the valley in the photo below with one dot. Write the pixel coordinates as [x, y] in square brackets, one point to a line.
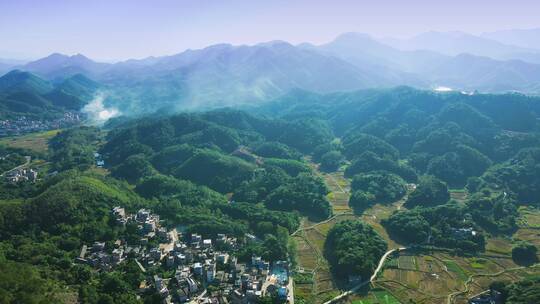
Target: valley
[269, 152]
[427, 275]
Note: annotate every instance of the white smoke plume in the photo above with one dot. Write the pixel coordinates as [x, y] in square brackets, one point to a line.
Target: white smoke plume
[97, 112]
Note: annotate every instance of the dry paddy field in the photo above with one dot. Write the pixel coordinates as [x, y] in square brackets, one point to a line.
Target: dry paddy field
[424, 277]
[310, 242]
[38, 142]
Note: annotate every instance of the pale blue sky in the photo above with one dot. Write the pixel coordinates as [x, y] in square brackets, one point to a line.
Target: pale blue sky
[121, 29]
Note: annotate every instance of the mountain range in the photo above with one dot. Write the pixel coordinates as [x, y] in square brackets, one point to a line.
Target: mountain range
[523, 38]
[24, 93]
[223, 74]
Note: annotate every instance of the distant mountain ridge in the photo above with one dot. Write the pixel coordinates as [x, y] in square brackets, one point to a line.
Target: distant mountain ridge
[224, 75]
[527, 38]
[59, 66]
[455, 43]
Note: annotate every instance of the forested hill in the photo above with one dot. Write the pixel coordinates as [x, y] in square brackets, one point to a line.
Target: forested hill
[452, 136]
[237, 172]
[27, 95]
[488, 144]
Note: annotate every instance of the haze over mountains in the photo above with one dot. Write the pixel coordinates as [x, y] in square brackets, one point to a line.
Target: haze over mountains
[223, 74]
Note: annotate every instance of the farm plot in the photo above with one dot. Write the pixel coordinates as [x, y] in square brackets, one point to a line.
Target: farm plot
[377, 296]
[407, 262]
[530, 217]
[420, 277]
[38, 142]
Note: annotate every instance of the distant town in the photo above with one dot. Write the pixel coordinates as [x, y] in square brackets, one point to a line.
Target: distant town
[22, 124]
[205, 270]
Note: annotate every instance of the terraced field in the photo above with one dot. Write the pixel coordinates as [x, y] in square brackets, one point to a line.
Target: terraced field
[310, 243]
[438, 277]
[427, 277]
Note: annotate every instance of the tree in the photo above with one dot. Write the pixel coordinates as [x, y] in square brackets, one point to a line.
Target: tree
[524, 253]
[386, 187]
[356, 144]
[330, 161]
[361, 200]
[133, 169]
[430, 192]
[353, 248]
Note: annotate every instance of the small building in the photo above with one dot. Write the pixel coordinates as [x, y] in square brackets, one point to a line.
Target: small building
[222, 258]
[210, 272]
[98, 246]
[142, 215]
[198, 269]
[207, 243]
[169, 261]
[195, 240]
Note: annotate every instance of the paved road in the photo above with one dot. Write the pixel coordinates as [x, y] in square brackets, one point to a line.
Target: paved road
[290, 287]
[381, 262]
[373, 277]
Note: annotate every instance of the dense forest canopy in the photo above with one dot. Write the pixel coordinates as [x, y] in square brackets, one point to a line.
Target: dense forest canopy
[353, 248]
[252, 172]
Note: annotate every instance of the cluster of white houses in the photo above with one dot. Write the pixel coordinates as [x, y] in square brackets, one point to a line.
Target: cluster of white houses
[205, 270]
[21, 175]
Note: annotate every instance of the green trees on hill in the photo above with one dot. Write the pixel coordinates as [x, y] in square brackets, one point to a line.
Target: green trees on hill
[190, 194]
[369, 161]
[21, 283]
[524, 291]
[218, 171]
[276, 150]
[376, 187]
[172, 157]
[330, 161]
[429, 192]
[74, 148]
[496, 213]
[133, 168]
[446, 226]
[356, 144]
[291, 167]
[182, 166]
[361, 200]
[11, 158]
[524, 253]
[305, 193]
[456, 167]
[386, 187]
[521, 175]
[306, 133]
[353, 248]
[25, 94]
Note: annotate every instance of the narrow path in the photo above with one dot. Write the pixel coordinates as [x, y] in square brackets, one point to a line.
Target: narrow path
[337, 184]
[381, 262]
[373, 277]
[320, 223]
[452, 296]
[319, 259]
[28, 159]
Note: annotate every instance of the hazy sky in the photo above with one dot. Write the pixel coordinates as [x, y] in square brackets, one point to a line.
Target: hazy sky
[120, 29]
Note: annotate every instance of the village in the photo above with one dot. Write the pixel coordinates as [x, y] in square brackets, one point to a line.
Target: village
[21, 175]
[23, 124]
[205, 270]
